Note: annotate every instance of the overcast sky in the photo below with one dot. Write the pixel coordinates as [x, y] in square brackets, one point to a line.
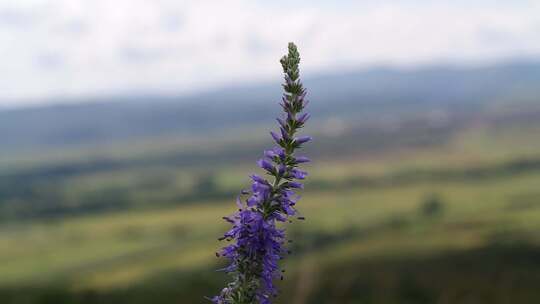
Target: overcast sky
[78, 48]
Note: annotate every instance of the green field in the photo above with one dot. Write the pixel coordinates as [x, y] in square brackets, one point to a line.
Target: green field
[451, 220]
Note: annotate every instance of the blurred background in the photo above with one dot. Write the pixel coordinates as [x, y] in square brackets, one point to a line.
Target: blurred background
[128, 127]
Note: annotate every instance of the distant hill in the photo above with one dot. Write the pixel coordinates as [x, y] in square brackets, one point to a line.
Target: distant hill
[355, 95]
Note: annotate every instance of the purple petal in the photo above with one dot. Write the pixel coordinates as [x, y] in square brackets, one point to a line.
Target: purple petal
[299, 174]
[304, 117]
[239, 203]
[302, 159]
[295, 185]
[282, 169]
[252, 201]
[276, 137]
[281, 122]
[265, 164]
[284, 134]
[302, 139]
[271, 154]
[290, 117]
[258, 179]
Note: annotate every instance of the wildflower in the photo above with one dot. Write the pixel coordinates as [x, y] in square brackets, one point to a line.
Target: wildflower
[257, 244]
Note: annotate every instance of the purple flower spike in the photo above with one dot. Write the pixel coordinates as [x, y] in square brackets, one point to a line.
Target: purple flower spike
[257, 244]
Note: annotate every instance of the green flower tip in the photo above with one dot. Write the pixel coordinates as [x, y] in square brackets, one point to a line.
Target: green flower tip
[290, 62]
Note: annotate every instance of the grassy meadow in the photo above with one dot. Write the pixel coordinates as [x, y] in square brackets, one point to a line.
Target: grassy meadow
[415, 214]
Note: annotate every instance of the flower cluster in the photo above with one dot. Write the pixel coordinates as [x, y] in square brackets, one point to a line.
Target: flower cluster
[257, 243]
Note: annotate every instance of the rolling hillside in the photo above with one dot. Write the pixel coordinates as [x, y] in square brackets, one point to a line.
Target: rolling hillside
[360, 96]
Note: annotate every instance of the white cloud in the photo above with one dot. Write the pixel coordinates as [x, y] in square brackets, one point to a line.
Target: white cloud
[100, 47]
